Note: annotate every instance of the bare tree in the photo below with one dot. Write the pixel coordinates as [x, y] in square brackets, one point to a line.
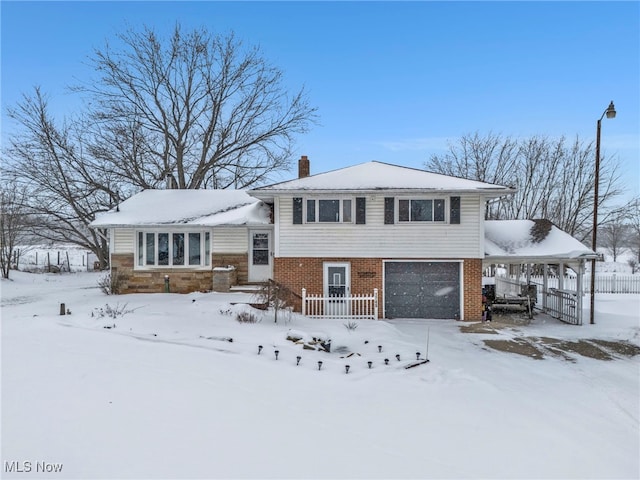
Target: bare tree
[632, 215]
[614, 236]
[553, 178]
[195, 106]
[198, 106]
[64, 192]
[14, 224]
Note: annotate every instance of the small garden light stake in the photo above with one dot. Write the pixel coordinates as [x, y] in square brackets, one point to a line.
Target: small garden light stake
[386, 361]
[277, 352]
[379, 348]
[259, 349]
[319, 364]
[417, 355]
[398, 357]
[369, 363]
[346, 368]
[298, 358]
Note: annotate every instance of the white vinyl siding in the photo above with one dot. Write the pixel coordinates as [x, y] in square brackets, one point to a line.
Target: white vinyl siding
[375, 239]
[230, 240]
[123, 241]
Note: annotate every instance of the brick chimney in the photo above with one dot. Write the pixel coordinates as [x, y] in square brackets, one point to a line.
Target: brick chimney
[303, 167]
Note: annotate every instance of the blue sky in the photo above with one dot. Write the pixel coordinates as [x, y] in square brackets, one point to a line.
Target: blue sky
[393, 81]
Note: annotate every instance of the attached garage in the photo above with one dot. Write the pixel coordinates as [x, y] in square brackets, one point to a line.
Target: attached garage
[422, 289]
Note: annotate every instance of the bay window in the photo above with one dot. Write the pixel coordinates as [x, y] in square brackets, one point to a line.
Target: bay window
[174, 249]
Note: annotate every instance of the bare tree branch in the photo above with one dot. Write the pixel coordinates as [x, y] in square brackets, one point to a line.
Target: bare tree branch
[554, 179]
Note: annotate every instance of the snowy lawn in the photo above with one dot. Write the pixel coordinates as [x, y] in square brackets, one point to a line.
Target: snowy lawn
[164, 394]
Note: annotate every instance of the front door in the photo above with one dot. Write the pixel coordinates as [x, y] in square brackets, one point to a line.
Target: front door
[337, 288]
[260, 256]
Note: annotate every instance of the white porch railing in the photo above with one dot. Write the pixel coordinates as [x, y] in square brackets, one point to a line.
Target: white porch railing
[353, 307]
[605, 282]
[563, 305]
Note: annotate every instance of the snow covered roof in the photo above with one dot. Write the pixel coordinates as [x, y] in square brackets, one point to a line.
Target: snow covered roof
[186, 207]
[531, 241]
[376, 176]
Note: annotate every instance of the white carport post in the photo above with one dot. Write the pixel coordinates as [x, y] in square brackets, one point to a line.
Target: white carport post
[561, 288]
[579, 291]
[545, 285]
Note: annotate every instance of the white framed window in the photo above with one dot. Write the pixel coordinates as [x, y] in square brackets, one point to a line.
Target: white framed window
[330, 210]
[190, 249]
[421, 210]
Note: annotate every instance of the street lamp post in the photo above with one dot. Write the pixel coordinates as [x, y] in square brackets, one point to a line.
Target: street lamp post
[610, 112]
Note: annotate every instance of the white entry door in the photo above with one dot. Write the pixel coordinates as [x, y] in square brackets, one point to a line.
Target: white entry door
[260, 255]
[337, 287]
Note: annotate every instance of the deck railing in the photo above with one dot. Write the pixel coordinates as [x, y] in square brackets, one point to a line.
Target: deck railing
[352, 307]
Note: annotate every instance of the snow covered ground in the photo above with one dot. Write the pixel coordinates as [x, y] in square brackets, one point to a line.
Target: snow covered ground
[163, 394]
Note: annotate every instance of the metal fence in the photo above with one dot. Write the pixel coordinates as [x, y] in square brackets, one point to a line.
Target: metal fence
[353, 307]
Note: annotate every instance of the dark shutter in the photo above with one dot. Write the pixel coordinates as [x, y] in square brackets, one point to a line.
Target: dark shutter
[297, 210]
[361, 210]
[389, 216]
[454, 214]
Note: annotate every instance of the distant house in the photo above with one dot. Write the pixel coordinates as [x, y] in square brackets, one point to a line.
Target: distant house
[416, 237]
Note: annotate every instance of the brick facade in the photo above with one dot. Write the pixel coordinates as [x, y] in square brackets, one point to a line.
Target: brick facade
[180, 280]
[366, 274]
[472, 288]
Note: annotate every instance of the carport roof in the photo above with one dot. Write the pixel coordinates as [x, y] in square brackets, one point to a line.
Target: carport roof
[531, 241]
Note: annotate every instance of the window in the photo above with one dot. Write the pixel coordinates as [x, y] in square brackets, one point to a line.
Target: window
[174, 249]
[311, 211]
[194, 249]
[421, 210]
[260, 249]
[329, 210]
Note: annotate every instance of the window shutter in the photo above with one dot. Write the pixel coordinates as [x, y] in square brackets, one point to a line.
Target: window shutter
[297, 210]
[389, 215]
[454, 214]
[361, 210]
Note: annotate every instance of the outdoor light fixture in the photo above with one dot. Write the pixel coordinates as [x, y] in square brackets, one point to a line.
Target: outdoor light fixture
[319, 364]
[386, 361]
[610, 112]
[417, 355]
[379, 348]
[298, 358]
[346, 368]
[276, 352]
[398, 357]
[369, 363]
[259, 349]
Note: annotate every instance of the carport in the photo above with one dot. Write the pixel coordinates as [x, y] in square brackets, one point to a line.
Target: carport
[536, 252]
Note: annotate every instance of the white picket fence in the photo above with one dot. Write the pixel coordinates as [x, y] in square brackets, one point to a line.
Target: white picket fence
[605, 283]
[353, 307]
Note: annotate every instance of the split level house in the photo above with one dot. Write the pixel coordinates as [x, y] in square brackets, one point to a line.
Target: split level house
[415, 238]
